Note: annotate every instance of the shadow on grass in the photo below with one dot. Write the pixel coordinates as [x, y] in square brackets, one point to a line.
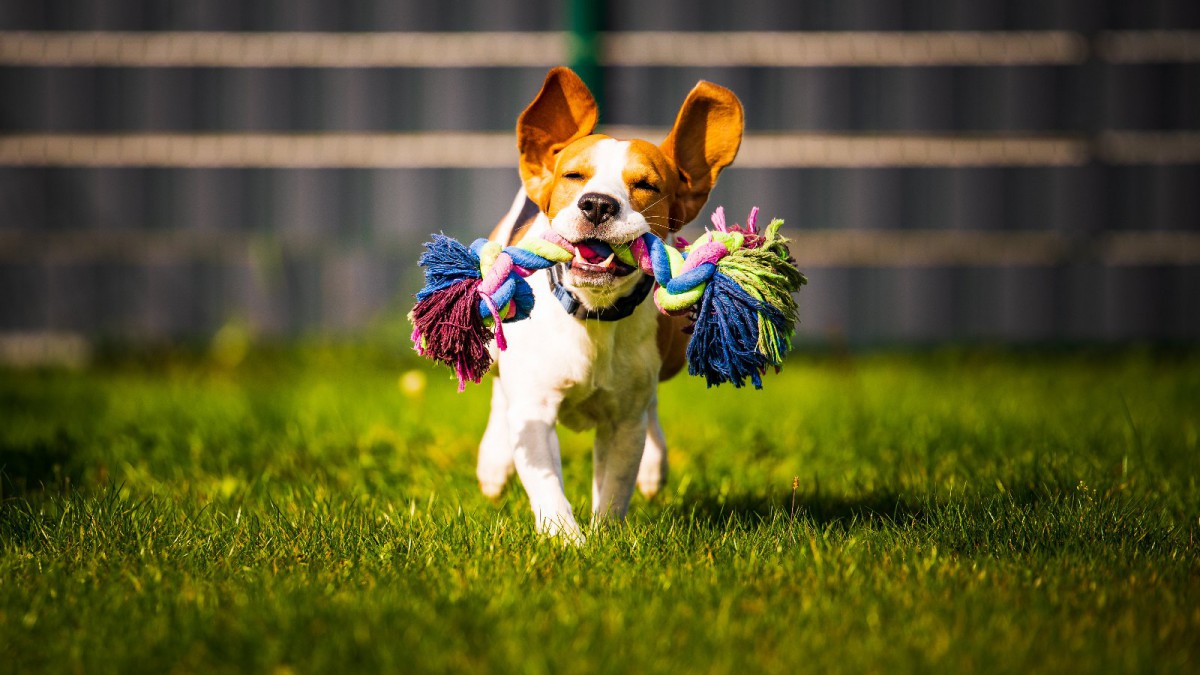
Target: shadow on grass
[820, 509]
[38, 466]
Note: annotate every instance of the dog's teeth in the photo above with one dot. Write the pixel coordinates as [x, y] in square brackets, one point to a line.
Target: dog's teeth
[608, 261]
[579, 257]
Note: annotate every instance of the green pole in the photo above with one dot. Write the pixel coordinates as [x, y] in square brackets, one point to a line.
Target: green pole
[585, 18]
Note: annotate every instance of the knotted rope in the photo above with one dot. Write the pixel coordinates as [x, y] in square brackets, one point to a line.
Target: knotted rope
[737, 282]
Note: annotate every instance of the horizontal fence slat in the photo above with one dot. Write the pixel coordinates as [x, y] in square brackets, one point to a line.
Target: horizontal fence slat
[833, 49]
[498, 149]
[241, 150]
[879, 150]
[1160, 46]
[547, 48]
[1149, 147]
[289, 50]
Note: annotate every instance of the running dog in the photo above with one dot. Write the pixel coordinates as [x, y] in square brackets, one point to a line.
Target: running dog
[594, 349]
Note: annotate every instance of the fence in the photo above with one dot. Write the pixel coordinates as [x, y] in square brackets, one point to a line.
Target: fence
[948, 172]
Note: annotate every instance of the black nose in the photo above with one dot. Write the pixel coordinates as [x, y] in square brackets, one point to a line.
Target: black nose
[598, 208]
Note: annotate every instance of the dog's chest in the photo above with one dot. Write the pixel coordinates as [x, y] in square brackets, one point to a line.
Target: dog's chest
[612, 382]
[603, 370]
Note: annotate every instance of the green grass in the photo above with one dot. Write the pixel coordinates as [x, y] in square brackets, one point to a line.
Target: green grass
[960, 511]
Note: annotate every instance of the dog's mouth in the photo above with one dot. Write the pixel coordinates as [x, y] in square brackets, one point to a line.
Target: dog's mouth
[594, 258]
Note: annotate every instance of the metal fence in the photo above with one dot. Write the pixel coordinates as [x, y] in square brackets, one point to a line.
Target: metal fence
[950, 171]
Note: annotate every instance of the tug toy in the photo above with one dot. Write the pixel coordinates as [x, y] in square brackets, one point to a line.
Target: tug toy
[736, 282]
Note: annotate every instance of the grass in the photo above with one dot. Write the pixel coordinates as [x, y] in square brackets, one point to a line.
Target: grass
[312, 508]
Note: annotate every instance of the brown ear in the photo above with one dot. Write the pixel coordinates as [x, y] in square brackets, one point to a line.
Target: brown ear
[563, 112]
[705, 140]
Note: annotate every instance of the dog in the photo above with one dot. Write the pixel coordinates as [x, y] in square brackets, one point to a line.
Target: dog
[594, 349]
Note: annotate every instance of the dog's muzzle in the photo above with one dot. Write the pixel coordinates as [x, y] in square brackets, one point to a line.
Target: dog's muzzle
[593, 256]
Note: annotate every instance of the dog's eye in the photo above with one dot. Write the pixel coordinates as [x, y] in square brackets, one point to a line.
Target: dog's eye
[644, 184]
[572, 175]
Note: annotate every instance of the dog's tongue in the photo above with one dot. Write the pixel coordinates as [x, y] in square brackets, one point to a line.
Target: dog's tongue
[594, 252]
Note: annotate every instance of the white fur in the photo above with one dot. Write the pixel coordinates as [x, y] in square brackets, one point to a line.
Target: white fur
[609, 158]
[600, 375]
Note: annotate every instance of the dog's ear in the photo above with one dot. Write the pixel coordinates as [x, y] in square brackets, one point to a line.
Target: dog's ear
[563, 112]
[704, 140]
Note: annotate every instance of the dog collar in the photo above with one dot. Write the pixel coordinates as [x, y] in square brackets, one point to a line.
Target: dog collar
[622, 308]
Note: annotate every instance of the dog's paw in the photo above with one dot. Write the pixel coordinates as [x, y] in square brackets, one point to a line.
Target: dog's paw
[650, 486]
[652, 475]
[562, 529]
[492, 489]
[492, 478]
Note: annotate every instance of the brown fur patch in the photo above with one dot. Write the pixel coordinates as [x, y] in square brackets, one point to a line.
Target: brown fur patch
[667, 184]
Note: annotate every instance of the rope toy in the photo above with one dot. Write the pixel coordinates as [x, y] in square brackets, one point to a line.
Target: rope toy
[736, 282]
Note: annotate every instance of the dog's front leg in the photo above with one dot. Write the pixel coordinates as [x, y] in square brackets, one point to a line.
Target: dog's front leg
[652, 475]
[618, 454]
[495, 450]
[539, 464]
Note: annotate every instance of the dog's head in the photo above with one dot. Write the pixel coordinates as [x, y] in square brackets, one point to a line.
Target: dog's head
[599, 190]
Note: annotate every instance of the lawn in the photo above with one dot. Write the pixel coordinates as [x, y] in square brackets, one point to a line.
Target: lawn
[313, 508]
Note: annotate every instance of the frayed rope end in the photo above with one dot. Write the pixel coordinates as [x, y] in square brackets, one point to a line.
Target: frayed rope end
[747, 316]
[446, 324]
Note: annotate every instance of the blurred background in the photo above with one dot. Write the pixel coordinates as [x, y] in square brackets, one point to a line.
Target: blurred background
[1008, 172]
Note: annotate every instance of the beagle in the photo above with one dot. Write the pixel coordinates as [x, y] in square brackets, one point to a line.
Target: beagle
[594, 349]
